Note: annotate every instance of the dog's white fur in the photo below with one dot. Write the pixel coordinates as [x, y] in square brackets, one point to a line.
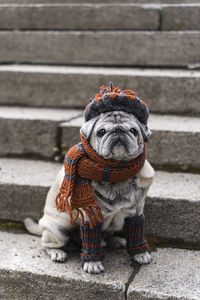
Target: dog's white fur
[54, 225]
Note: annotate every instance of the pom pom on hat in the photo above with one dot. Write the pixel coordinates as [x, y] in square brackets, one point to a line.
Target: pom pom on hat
[113, 99]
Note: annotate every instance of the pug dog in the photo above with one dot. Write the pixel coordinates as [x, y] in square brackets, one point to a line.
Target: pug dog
[113, 135]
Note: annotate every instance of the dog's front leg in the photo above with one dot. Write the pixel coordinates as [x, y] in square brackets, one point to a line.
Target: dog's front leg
[53, 245]
[134, 226]
[91, 255]
[136, 244]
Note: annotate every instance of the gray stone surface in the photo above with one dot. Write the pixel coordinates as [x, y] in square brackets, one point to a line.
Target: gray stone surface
[23, 187]
[130, 48]
[172, 208]
[76, 16]
[181, 17]
[5, 2]
[26, 272]
[70, 132]
[165, 91]
[174, 142]
[31, 131]
[174, 274]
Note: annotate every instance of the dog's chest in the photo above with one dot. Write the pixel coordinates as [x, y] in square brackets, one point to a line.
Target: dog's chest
[117, 196]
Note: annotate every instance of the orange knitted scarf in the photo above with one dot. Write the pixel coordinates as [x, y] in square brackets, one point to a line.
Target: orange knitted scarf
[82, 165]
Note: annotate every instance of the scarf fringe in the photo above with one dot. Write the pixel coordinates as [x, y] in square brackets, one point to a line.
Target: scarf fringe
[62, 203]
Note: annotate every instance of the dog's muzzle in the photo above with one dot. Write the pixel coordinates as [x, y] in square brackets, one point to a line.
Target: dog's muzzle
[118, 138]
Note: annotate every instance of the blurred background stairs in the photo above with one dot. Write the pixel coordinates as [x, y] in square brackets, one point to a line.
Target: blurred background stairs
[54, 55]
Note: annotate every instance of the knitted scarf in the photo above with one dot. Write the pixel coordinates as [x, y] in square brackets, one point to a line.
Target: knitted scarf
[82, 165]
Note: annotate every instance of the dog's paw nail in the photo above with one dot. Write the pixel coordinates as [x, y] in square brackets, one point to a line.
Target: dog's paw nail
[143, 258]
[58, 256]
[93, 267]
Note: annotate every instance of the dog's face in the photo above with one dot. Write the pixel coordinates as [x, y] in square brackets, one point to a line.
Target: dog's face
[116, 135]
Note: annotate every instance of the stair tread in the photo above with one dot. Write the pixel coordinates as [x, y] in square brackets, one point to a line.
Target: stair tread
[45, 128]
[75, 16]
[172, 202]
[56, 86]
[40, 127]
[56, 69]
[57, 47]
[158, 122]
[171, 276]
[167, 276]
[39, 173]
[146, 16]
[34, 113]
[27, 172]
[23, 255]
[5, 2]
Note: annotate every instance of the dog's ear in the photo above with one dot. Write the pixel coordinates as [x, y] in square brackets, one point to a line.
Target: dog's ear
[87, 128]
[146, 132]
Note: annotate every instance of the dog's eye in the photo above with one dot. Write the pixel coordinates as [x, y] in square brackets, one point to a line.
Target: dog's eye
[133, 131]
[101, 132]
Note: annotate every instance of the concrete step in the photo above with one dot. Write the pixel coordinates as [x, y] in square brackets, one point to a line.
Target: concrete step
[95, 1]
[27, 273]
[102, 16]
[111, 48]
[40, 128]
[181, 17]
[165, 91]
[43, 130]
[83, 17]
[171, 144]
[171, 211]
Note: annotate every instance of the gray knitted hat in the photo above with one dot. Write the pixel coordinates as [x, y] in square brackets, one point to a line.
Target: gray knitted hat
[114, 99]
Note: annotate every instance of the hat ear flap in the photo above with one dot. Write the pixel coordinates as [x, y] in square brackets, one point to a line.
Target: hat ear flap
[87, 127]
[146, 132]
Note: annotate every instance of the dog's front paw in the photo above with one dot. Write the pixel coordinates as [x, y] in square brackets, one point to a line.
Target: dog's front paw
[143, 258]
[93, 267]
[57, 255]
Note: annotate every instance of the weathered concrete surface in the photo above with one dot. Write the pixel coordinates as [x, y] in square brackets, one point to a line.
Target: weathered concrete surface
[5, 2]
[31, 131]
[26, 272]
[172, 208]
[165, 91]
[173, 274]
[83, 17]
[181, 17]
[70, 132]
[175, 141]
[23, 187]
[131, 48]
[171, 144]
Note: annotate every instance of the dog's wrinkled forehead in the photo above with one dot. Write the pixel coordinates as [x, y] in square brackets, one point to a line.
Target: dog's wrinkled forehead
[117, 117]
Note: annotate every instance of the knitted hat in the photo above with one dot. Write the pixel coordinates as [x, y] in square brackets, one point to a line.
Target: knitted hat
[113, 99]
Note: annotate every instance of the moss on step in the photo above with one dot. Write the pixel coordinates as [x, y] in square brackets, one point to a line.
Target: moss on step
[14, 227]
[161, 242]
[154, 242]
[176, 168]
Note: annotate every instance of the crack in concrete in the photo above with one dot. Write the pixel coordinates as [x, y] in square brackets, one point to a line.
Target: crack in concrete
[136, 269]
[58, 155]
